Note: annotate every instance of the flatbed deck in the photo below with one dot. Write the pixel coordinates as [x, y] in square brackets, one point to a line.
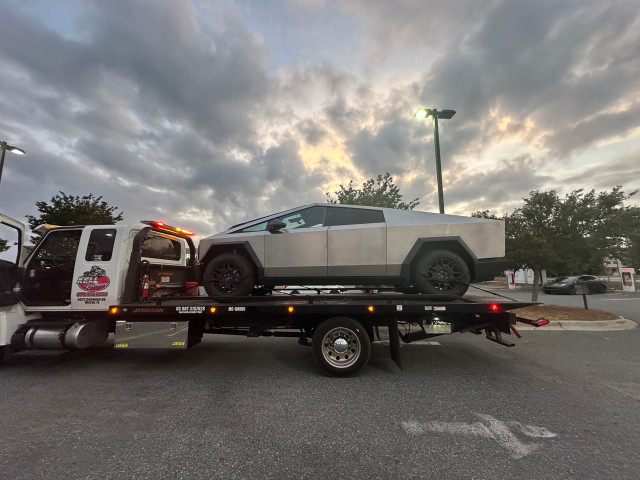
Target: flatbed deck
[158, 322]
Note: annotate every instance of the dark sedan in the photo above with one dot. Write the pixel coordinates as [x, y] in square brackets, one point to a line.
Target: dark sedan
[567, 285]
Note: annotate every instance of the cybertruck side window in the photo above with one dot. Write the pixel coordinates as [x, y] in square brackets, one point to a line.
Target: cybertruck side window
[353, 216]
[100, 247]
[259, 227]
[305, 218]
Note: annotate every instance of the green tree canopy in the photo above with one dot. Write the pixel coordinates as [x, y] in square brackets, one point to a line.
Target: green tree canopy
[379, 192]
[73, 210]
[4, 245]
[568, 235]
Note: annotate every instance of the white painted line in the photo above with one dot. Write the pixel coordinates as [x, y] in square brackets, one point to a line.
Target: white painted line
[491, 428]
[455, 428]
[620, 299]
[506, 439]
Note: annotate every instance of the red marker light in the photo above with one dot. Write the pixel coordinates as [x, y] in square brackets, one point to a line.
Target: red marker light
[167, 228]
[494, 307]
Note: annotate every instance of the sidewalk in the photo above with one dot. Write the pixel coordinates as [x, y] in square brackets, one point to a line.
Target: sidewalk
[578, 325]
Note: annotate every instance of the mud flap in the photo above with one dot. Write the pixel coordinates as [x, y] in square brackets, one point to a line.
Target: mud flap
[394, 343]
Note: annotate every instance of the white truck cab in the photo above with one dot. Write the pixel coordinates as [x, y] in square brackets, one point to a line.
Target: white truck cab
[75, 273]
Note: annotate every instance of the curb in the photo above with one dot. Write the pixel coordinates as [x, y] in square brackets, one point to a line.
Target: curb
[582, 325]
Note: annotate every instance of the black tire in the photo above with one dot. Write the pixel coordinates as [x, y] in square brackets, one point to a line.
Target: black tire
[602, 289]
[228, 275]
[571, 290]
[341, 346]
[441, 271]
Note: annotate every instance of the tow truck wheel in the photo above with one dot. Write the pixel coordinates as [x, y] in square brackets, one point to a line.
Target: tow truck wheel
[441, 271]
[228, 275]
[341, 346]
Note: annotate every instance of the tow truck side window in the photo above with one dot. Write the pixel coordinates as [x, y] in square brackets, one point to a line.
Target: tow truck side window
[161, 248]
[100, 247]
[62, 243]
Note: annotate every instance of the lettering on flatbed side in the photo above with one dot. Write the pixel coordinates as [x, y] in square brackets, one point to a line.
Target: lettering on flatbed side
[237, 309]
[190, 309]
[178, 343]
[121, 345]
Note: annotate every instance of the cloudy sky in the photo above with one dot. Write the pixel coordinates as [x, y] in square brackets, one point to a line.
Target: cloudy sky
[205, 113]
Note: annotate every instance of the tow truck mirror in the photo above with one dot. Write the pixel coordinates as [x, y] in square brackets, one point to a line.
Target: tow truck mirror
[275, 225]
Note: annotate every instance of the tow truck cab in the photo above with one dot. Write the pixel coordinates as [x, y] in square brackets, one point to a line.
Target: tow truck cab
[75, 272]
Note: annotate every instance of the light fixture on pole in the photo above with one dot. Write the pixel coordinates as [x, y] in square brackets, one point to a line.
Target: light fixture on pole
[4, 146]
[435, 113]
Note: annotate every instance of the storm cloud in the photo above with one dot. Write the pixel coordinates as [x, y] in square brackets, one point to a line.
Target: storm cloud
[207, 114]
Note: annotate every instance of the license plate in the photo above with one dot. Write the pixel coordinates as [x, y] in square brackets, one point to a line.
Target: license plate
[438, 328]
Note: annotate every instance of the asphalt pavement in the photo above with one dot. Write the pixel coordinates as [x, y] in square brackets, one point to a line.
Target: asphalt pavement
[558, 405]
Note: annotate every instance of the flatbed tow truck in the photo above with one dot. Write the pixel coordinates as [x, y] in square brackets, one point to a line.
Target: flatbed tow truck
[81, 284]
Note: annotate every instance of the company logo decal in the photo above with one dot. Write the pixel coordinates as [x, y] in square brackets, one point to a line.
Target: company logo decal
[93, 280]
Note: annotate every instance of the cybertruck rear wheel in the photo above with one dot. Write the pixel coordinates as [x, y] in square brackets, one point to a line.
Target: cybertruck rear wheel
[441, 271]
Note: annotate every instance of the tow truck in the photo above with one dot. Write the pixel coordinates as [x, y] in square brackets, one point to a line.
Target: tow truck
[137, 285]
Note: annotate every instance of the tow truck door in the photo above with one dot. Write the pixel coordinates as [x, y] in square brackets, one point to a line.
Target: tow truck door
[11, 257]
[74, 268]
[100, 267]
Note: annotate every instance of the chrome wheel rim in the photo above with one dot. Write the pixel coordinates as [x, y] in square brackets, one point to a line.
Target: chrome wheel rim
[341, 347]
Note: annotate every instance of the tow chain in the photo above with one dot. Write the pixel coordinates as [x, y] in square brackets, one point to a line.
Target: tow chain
[492, 293]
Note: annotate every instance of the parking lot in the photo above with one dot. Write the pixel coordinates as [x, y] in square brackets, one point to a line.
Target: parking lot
[558, 405]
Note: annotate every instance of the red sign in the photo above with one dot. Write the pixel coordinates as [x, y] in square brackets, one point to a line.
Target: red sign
[93, 280]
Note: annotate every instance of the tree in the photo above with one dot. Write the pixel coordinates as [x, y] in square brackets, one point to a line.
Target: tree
[73, 210]
[379, 192]
[4, 245]
[568, 235]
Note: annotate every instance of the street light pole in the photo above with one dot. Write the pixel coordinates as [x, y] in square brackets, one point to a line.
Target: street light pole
[436, 140]
[446, 114]
[4, 146]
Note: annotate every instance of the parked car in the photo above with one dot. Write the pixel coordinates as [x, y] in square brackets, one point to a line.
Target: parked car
[567, 285]
[324, 244]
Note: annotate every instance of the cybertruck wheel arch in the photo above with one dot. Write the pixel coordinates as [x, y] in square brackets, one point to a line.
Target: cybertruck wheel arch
[424, 245]
[239, 248]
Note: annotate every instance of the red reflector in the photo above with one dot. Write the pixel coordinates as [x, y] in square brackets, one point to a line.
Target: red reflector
[495, 307]
[159, 224]
[542, 322]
